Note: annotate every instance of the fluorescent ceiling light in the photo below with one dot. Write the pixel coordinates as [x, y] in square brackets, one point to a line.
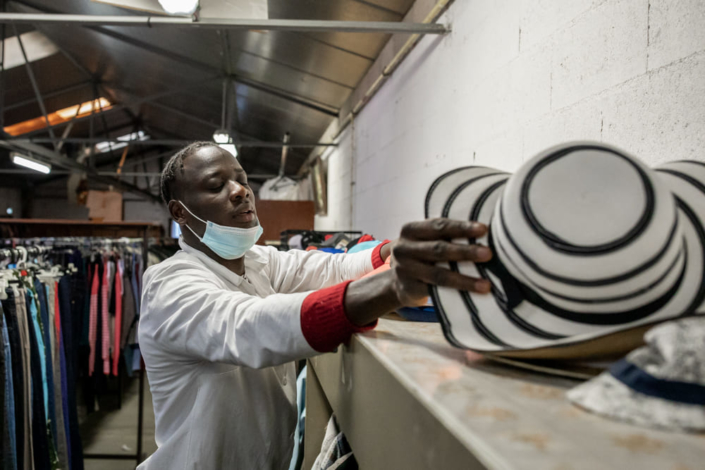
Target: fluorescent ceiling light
[179, 7]
[36, 45]
[230, 148]
[103, 147]
[221, 136]
[30, 163]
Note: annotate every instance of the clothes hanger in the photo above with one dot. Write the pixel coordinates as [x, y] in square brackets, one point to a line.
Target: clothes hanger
[23, 257]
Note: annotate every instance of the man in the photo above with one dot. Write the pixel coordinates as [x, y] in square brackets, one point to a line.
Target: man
[223, 320]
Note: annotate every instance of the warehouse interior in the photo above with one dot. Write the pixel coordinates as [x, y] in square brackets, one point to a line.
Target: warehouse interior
[348, 117]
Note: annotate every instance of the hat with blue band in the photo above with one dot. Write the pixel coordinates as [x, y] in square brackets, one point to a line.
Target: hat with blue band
[659, 385]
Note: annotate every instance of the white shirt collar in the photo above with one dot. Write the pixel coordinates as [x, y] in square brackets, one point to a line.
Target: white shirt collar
[253, 261]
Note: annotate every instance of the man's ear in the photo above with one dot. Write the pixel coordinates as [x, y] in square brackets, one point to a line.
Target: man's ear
[177, 211]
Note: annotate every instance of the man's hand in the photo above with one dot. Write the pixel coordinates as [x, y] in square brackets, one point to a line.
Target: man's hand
[414, 258]
[422, 245]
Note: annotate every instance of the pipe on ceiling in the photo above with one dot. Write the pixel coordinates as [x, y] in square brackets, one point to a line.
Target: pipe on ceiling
[12, 171]
[285, 151]
[386, 27]
[170, 142]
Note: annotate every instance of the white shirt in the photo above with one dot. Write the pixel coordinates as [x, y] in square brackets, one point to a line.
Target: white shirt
[219, 347]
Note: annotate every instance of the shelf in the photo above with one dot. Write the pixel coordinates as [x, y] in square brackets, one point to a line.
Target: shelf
[28, 228]
[405, 398]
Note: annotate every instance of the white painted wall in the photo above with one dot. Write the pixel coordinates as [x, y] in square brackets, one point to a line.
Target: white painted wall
[515, 77]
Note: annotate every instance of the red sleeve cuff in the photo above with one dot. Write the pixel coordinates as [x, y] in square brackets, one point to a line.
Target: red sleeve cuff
[377, 260]
[323, 320]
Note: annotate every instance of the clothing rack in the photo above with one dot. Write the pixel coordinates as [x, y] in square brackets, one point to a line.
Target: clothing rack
[48, 228]
[15, 254]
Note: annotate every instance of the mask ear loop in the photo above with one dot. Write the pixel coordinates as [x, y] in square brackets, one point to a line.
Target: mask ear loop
[195, 216]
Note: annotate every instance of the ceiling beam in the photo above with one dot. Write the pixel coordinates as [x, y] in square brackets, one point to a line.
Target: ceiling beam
[35, 85]
[174, 135]
[310, 26]
[52, 94]
[170, 142]
[257, 176]
[65, 162]
[124, 105]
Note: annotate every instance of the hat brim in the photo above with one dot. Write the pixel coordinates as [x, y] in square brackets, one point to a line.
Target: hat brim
[484, 323]
[607, 396]
[571, 370]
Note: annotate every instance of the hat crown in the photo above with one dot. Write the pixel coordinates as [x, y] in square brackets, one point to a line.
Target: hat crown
[585, 201]
[589, 221]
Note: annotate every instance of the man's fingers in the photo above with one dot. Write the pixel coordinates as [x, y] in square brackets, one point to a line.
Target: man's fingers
[441, 277]
[440, 250]
[443, 229]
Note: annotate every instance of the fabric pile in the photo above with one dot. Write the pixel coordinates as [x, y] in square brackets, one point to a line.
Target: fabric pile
[286, 189]
[335, 450]
[332, 242]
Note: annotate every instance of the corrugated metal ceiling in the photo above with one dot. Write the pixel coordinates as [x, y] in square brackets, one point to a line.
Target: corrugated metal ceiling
[283, 81]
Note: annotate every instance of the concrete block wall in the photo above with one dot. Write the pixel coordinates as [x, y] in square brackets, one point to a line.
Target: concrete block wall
[513, 78]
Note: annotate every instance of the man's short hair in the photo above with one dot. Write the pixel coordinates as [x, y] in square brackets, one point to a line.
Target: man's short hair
[176, 165]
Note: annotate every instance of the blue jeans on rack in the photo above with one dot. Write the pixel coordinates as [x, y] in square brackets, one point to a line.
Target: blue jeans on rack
[9, 451]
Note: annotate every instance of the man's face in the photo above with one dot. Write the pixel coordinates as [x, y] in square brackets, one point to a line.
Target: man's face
[214, 187]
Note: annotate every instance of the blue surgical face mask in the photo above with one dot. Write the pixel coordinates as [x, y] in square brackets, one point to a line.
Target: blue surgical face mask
[227, 242]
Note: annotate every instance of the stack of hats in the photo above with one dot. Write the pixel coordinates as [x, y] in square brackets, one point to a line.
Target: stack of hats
[591, 249]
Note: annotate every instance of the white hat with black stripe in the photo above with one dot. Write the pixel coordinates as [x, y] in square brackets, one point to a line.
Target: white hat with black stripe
[591, 248]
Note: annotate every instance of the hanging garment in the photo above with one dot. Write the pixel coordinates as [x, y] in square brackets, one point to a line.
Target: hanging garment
[128, 308]
[297, 457]
[4, 398]
[9, 436]
[40, 405]
[25, 329]
[97, 384]
[93, 319]
[63, 382]
[105, 318]
[335, 450]
[128, 317]
[58, 427]
[18, 374]
[63, 386]
[46, 343]
[71, 306]
[135, 283]
[118, 316]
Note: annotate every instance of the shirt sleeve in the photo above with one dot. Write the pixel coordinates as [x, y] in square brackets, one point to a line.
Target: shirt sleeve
[323, 320]
[301, 271]
[187, 313]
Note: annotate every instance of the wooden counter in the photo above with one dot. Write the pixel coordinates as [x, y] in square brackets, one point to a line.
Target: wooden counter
[406, 399]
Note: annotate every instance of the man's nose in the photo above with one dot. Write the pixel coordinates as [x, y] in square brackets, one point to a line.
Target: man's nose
[237, 191]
